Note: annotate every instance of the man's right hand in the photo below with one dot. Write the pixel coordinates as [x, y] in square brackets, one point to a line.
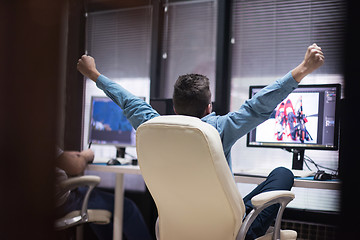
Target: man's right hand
[88, 155]
[86, 65]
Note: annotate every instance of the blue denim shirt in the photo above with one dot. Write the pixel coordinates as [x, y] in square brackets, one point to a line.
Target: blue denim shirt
[231, 126]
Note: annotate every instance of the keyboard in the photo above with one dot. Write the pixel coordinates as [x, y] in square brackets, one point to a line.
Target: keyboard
[123, 161]
[303, 173]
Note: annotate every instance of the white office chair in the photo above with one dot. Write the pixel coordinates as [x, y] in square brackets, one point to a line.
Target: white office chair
[85, 215]
[183, 165]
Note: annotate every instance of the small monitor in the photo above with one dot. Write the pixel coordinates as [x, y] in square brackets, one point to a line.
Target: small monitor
[164, 106]
[306, 119]
[108, 124]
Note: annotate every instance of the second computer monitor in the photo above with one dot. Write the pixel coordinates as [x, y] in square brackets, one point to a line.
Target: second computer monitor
[306, 119]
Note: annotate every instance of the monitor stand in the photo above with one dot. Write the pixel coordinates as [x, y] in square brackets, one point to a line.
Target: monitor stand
[120, 152]
[298, 159]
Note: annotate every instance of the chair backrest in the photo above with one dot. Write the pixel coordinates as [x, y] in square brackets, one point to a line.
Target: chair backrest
[183, 165]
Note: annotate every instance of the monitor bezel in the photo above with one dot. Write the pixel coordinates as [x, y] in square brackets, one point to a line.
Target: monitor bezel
[117, 145]
[335, 147]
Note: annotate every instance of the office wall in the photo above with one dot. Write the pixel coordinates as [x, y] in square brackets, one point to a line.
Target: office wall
[29, 66]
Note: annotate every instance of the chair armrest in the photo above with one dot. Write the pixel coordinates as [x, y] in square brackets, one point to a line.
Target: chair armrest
[75, 182]
[96, 216]
[266, 197]
[262, 201]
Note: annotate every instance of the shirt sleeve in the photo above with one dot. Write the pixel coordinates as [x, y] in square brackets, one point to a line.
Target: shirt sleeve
[136, 110]
[254, 111]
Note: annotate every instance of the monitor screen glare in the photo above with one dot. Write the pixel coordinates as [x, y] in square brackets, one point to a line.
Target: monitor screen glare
[307, 118]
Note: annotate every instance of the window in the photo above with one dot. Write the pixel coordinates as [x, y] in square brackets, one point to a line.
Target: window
[189, 41]
[120, 42]
[269, 38]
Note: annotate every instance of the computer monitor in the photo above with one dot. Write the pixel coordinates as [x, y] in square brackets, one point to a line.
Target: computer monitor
[164, 106]
[306, 119]
[109, 126]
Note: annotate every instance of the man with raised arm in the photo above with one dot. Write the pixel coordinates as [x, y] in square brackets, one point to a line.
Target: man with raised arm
[192, 97]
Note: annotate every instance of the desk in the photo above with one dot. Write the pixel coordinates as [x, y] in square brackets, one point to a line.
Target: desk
[239, 178]
[303, 183]
[119, 191]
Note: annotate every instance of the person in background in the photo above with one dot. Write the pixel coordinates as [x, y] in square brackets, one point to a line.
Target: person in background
[73, 163]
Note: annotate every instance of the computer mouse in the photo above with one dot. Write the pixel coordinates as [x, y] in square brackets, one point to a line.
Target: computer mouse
[113, 161]
[322, 176]
[134, 161]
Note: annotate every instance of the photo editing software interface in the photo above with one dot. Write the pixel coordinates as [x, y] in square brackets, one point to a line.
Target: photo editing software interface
[306, 119]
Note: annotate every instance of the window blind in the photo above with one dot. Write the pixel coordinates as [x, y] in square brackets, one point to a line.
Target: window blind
[120, 41]
[189, 41]
[271, 36]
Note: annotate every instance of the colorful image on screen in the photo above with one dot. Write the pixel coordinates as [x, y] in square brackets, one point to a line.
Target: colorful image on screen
[295, 119]
[306, 118]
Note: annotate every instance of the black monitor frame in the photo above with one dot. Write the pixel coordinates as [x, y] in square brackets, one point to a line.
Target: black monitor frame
[120, 146]
[296, 148]
[164, 106]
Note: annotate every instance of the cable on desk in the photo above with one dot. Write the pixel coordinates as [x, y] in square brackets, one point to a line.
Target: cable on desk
[318, 166]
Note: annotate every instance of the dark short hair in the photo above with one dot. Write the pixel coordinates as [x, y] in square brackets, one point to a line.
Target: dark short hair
[191, 95]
